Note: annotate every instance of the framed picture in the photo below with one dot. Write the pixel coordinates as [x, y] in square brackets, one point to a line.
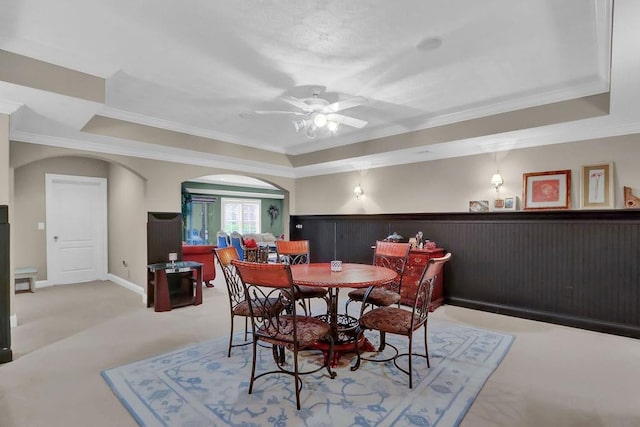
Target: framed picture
[479, 206]
[507, 203]
[547, 190]
[596, 191]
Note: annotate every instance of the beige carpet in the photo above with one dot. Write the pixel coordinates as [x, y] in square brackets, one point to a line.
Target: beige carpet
[552, 376]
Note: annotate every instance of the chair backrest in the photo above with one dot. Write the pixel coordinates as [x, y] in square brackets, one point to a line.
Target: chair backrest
[236, 241]
[263, 284]
[394, 256]
[193, 237]
[225, 256]
[293, 251]
[425, 289]
[223, 239]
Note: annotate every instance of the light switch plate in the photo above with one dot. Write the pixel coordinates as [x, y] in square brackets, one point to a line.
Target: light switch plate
[41, 226]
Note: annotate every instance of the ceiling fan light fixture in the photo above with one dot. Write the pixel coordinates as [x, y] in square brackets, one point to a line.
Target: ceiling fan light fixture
[310, 131]
[320, 120]
[299, 125]
[316, 113]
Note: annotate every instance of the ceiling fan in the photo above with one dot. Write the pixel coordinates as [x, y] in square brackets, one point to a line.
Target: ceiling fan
[317, 113]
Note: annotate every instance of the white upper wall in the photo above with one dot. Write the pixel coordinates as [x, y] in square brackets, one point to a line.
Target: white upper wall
[448, 185]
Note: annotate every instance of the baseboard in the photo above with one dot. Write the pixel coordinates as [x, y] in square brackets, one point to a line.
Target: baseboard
[43, 284]
[113, 278]
[13, 320]
[622, 329]
[128, 285]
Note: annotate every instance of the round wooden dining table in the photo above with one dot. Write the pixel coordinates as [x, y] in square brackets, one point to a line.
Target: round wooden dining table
[352, 276]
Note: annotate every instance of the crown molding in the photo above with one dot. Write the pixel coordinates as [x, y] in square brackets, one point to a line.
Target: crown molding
[587, 129]
[157, 122]
[143, 150]
[9, 107]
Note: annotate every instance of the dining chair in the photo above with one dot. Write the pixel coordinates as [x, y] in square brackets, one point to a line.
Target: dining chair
[236, 240]
[222, 238]
[297, 252]
[263, 284]
[235, 290]
[401, 321]
[390, 255]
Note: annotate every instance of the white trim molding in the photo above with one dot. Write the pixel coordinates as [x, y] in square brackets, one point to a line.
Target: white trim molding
[128, 285]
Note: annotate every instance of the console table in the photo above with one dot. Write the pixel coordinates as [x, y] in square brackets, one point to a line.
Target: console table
[418, 260]
[171, 285]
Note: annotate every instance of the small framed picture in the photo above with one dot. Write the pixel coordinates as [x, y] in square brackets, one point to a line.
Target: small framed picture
[479, 206]
[546, 190]
[507, 203]
[596, 189]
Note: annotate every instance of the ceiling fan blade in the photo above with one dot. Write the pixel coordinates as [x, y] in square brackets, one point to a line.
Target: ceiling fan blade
[346, 120]
[297, 103]
[295, 113]
[344, 104]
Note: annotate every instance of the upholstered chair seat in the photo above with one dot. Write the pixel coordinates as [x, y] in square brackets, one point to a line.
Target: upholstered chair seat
[379, 297]
[270, 308]
[309, 330]
[393, 320]
[307, 292]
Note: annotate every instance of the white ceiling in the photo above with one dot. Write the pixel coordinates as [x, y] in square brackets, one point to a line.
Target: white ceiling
[202, 67]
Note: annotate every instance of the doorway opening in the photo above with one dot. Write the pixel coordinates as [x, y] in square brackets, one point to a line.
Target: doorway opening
[230, 203]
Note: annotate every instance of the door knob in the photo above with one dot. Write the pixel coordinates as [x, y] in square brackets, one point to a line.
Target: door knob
[55, 238]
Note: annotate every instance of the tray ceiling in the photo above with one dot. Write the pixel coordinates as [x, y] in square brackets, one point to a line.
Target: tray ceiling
[166, 80]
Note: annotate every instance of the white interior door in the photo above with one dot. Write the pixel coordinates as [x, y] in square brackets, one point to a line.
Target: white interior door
[76, 228]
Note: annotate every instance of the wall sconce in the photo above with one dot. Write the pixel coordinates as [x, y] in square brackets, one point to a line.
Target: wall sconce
[358, 191]
[497, 181]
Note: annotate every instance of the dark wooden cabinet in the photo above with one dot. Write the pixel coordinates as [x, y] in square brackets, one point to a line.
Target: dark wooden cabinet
[418, 260]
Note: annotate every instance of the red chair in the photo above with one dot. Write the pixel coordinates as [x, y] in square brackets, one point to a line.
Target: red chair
[391, 255]
[204, 255]
[292, 252]
[399, 321]
[263, 284]
[238, 304]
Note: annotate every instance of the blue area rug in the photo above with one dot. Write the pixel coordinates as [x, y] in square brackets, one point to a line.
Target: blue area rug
[199, 386]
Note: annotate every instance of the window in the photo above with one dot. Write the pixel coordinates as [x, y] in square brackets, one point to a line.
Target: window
[241, 215]
[198, 219]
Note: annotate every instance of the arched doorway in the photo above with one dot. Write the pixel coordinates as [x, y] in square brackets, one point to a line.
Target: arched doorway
[230, 203]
